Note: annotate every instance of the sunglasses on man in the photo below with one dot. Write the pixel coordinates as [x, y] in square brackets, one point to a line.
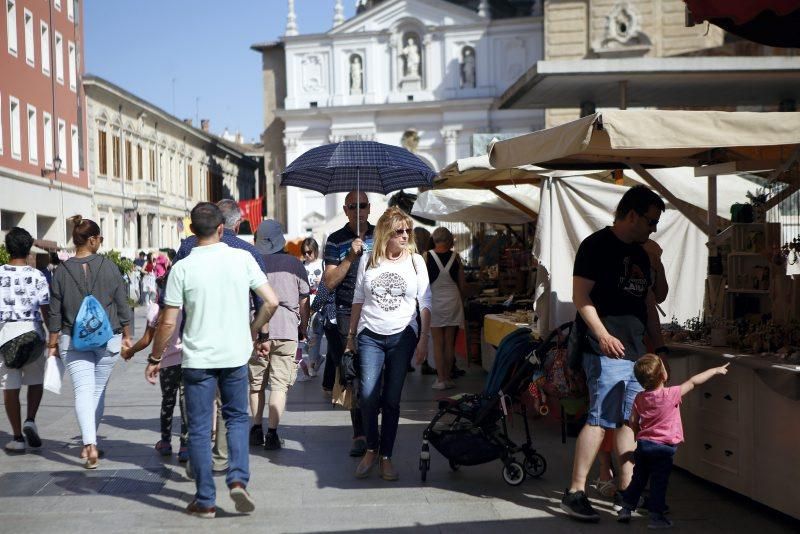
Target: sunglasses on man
[360, 205]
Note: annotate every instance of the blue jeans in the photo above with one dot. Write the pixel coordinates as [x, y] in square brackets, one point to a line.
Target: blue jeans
[314, 338]
[653, 462]
[200, 387]
[612, 390]
[89, 371]
[383, 359]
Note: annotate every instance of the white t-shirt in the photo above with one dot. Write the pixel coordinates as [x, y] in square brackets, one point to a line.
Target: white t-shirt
[314, 273]
[23, 290]
[390, 292]
[212, 284]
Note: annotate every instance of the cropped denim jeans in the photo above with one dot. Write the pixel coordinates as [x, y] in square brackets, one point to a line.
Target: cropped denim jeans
[383, 364]
[89, 371]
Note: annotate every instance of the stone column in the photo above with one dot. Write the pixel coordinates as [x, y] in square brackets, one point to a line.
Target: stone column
[450, 137]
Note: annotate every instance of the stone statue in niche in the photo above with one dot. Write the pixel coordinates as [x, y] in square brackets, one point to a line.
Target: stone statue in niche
[412, 57]
[410, 140]
[468, 67]
[356, 75]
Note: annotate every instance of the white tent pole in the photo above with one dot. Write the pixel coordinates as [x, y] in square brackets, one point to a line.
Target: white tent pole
[358, 202]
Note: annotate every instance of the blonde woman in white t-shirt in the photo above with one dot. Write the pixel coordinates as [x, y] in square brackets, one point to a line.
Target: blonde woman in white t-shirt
[392, 284]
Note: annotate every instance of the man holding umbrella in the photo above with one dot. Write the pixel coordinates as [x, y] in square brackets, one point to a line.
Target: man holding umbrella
[342, 253]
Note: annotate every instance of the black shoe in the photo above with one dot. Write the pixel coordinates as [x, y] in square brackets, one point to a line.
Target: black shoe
[644, 505]
[256, 435]
[577, 505]
[410, 368]
[359, 448]
[624, 516]
[272, 442]
[427, 369]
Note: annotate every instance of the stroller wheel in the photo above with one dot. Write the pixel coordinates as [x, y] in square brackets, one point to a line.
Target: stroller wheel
[535, 465]
[454, 466]
[424, 466]
[513, 473]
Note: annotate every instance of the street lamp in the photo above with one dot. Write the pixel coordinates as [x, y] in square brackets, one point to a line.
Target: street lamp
[56, 167]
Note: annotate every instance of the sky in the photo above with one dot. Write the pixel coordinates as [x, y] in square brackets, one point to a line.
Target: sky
[192, 58]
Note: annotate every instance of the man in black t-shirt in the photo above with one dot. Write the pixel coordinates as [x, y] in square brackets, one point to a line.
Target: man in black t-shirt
[343, 251]
[612, 290]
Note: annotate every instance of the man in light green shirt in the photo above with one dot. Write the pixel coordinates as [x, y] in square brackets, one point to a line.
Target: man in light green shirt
[212, 286]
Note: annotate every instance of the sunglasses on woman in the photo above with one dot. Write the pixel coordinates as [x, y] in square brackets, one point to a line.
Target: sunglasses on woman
[401, 231]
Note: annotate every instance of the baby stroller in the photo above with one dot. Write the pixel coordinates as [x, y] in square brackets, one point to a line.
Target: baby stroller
[471, 429]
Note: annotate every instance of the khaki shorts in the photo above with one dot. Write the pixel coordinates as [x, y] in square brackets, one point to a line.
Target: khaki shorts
[279, 368]
[31, 374]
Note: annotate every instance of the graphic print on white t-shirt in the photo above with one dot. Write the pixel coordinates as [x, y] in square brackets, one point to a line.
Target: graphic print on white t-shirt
[388, 289]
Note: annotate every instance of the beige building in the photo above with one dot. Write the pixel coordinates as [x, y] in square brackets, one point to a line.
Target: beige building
[613, 29]
[147, 169]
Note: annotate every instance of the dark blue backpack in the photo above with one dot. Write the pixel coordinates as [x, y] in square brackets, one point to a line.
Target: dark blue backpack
[92, 328]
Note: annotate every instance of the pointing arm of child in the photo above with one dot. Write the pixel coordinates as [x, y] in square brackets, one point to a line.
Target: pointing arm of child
[702, 378]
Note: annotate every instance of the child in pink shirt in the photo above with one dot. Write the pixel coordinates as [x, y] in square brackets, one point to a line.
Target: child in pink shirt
[170, 377]
[656, 421]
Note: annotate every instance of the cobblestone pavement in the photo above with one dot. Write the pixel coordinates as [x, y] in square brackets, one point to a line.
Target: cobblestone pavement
[309, 486]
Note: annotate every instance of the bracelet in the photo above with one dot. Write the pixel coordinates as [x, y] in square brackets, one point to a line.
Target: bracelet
[262, 337]
[153, 361]
[53, 346]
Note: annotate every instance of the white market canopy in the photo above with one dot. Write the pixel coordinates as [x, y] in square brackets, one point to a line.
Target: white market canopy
[655, 138]
[713, 142]
[474, 205]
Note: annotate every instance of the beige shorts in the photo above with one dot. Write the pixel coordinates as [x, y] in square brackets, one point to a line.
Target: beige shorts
[31, 374]
[279, 368]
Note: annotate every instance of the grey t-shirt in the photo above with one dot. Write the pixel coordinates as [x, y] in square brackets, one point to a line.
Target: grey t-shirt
[107, 286]
[287, 277]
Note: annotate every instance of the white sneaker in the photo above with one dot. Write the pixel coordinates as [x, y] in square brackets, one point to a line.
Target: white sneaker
[15, 446]
[314, 369]
[31, 434]
[302, 377]
[439, 385]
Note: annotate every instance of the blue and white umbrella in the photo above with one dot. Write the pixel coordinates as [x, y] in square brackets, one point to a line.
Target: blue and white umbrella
[357, 166]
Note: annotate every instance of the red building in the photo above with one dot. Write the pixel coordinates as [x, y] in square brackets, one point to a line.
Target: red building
[43, 178]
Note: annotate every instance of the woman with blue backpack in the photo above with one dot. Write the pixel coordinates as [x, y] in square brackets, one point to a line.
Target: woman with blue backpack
[89, 318]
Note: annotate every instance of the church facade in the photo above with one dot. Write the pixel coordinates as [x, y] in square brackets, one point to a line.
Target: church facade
[424, 74]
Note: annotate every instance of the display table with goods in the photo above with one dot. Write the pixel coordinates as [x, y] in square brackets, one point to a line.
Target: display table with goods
[740, 429]
[496, 327]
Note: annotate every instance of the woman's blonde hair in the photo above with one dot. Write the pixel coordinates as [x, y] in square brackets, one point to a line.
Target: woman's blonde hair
[649, 370]
[391, 220]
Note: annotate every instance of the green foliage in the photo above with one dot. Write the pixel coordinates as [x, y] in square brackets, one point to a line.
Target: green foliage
[124, 265]
[4, 256]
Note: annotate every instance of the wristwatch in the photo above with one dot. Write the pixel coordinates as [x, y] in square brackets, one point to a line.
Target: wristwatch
[662, 351]
[262, 337]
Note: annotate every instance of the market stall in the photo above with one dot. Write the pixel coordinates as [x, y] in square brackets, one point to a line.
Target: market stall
[735, 427]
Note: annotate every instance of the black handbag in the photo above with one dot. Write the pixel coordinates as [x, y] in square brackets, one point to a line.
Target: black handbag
[348, 367]
[21, 350]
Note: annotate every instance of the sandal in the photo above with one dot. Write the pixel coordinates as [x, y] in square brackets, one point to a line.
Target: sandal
[91, 458]
[606, 488]
[164, 448]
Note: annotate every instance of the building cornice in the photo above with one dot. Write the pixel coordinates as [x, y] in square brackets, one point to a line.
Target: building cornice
[438, 105]
[44, 182]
